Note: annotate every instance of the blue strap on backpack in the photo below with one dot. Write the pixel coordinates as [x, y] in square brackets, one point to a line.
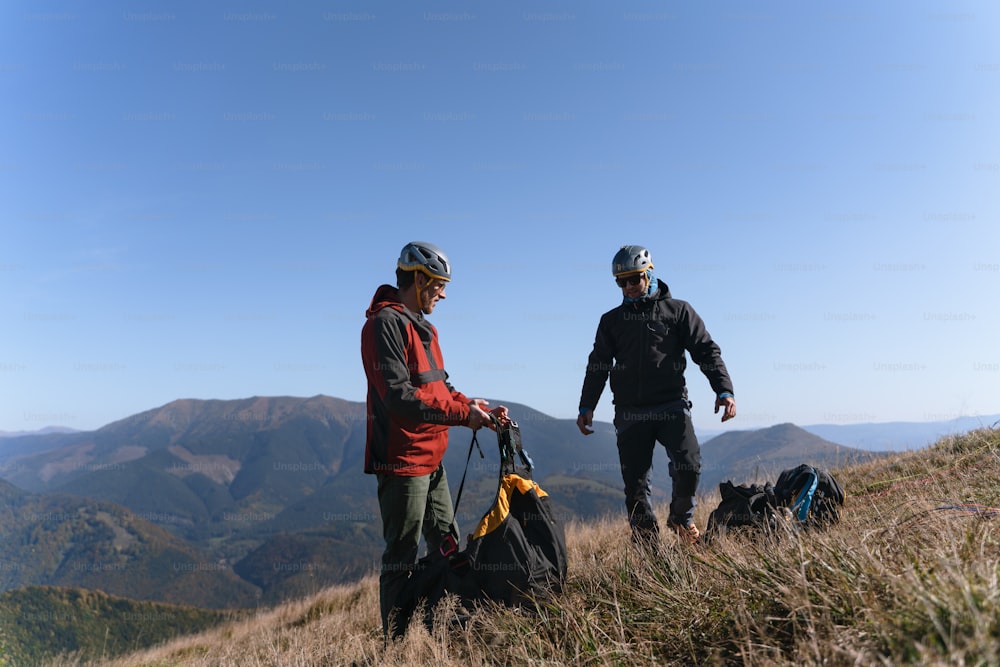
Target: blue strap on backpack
[800, 508]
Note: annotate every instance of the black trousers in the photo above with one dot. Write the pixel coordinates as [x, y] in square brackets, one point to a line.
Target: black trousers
[636, 442]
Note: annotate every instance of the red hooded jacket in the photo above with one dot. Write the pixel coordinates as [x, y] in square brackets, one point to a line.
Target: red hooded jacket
[410, 402]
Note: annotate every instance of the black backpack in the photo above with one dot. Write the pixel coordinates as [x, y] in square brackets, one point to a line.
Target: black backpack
[516, 554]
[813, 495]
[751, 505]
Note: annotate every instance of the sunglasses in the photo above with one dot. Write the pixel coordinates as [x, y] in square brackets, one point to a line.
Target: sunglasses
[630, 280]
[436, 286]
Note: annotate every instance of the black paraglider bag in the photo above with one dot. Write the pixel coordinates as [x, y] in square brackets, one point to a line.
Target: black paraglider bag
[516, 554]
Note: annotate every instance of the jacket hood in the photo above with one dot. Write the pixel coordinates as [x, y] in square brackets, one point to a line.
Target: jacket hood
[386, 296]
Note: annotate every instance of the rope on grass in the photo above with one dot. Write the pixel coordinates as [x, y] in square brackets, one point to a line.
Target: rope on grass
[969, 509]
[974, 509]
[928, 475]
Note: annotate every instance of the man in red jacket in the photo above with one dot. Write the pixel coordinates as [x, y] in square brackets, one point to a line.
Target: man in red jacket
[411, 404]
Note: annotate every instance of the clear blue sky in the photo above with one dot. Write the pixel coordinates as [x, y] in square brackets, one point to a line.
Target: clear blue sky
[198, 200]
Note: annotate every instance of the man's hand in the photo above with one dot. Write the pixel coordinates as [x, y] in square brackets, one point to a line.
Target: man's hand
[585, 421]
[500, 413]
[479, 417]
[729, 403]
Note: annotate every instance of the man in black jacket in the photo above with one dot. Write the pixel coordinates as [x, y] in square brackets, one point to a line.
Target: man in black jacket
[641, 345]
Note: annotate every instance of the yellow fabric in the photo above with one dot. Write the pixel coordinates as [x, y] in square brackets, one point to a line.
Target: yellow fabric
[501, 509]
[630, 271]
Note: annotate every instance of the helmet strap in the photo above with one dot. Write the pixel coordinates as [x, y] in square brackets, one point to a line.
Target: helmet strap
[418, 289]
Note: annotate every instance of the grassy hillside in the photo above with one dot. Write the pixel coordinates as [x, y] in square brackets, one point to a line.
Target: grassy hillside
[908, 577]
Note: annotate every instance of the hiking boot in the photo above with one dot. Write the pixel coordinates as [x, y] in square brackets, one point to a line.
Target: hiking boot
[687, 533]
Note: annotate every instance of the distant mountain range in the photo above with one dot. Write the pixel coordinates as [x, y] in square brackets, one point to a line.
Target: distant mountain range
[230, 503]
[899, 436]
[61, 540]
[887, 436]
[216, 474]
[761, 455]
[41, 431]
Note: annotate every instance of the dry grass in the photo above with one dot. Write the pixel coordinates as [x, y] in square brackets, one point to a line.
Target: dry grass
[909, 576]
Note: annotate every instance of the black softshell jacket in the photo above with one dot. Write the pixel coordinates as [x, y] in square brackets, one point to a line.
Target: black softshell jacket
[641, 347]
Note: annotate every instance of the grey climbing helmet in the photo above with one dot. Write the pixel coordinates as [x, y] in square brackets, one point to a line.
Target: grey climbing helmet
[631, 259]
[426, 258]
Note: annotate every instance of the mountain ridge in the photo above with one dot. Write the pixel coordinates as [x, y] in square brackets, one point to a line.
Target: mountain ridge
[766, 452]
[273, 486]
